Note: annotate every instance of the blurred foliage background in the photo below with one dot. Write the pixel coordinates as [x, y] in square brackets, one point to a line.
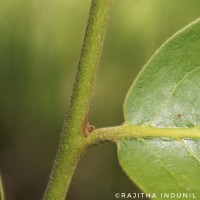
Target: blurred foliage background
[40, 43]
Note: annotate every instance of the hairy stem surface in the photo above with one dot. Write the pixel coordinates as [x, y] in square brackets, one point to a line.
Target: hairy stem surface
[73, 139]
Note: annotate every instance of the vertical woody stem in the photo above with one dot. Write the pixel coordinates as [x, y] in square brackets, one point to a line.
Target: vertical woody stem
[73, 139]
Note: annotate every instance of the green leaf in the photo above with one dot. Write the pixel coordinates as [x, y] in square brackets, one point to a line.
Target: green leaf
[166, 96]
[1, 190]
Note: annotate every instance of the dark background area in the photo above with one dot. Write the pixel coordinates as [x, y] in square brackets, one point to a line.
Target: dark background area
[40, 43]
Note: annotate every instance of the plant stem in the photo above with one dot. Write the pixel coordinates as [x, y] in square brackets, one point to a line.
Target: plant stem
[1, 190]
[73, 140]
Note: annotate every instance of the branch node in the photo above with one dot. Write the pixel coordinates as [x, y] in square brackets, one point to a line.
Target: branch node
[87, 128]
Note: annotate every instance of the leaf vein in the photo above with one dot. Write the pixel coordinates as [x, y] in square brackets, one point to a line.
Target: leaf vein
[168, 170]
[172, 92]
[189, 150]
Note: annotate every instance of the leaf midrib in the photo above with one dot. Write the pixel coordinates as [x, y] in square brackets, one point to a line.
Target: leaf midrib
[128, 131]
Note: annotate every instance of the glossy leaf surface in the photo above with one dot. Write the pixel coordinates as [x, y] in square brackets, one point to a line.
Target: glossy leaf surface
[166, 94]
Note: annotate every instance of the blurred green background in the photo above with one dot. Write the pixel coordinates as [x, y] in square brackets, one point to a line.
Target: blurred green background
[40, 43]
